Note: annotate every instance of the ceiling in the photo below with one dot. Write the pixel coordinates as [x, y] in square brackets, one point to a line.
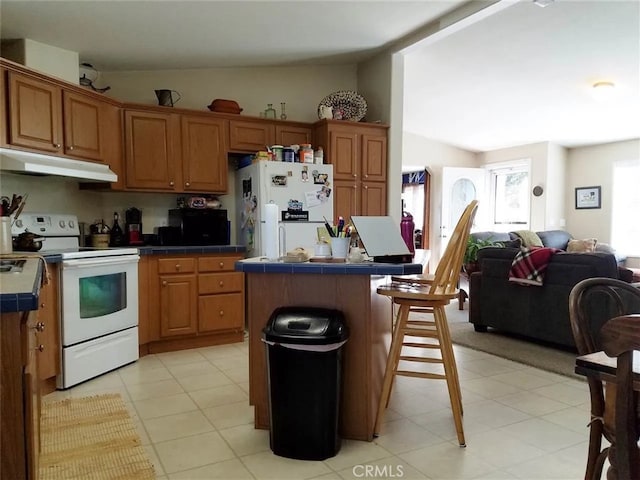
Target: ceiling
[520, 76]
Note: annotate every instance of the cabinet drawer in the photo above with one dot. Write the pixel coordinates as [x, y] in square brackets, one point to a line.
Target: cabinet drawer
[176, 265]
[217, 264]
[220, 312]
[219, 283]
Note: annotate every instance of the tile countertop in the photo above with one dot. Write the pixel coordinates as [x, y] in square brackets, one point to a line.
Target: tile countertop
[19, 291]
[261, 265]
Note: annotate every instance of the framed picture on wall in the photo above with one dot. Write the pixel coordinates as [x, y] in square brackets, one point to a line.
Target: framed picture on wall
[588, 197]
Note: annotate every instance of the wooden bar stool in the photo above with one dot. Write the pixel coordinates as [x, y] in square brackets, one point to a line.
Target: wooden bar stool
[428, 295]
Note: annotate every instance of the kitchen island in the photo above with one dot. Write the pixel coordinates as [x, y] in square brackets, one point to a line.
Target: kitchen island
[350, 288]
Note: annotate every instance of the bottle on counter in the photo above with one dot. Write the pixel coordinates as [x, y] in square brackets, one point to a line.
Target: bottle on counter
[318, 156]
[116, 236]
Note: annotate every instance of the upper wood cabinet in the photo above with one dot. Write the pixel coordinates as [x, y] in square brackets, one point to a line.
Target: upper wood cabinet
[248, 136]
[46, 117]
[254, 135]
[204, 154]
[358, 153]
[152, 150]
[35, 114]
[292, 135]
[174, 152]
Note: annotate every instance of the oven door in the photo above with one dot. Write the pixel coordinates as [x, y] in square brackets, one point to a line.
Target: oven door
[99, 296]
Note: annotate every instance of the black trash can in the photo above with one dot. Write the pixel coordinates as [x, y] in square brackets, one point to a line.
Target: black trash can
[304, 361]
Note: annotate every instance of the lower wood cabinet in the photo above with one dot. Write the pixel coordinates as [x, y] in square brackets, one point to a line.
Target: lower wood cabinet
[192, 301]
[48, 327]
[19, 396]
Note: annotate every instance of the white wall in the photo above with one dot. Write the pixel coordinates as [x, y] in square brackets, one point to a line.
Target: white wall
[555, 188]
[301, 88]
[593, 166]
[538, 154]
[420, 152]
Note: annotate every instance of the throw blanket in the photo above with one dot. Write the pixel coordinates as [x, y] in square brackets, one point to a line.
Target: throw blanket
[529, 265]
[529, 238]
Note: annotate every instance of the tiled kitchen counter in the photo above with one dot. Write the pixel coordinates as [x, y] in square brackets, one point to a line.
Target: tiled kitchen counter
[19, 290]
[348, 287]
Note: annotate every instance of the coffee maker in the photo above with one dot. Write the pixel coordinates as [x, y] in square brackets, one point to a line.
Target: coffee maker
[133, 226]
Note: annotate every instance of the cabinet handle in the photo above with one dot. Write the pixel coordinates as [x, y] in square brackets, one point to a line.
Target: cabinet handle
[171, 184]
[187, 184]
[366, 187]
[366, 176]
[164, 283]
[178, 266]
[42, 305]
[40, 348]
[222, 313]
[355, 175]
[221, 283]
[57, 145]
[71, 147]
[221, 264]
[355, 186]
[40, 326]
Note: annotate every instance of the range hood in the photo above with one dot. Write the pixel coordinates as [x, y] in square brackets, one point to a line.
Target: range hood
[18, 161]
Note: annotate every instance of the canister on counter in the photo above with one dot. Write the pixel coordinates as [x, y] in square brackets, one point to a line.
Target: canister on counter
[287, 154]
[306, 153]
[277, 152]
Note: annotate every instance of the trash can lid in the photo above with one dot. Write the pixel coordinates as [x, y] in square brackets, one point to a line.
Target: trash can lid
[305, 325]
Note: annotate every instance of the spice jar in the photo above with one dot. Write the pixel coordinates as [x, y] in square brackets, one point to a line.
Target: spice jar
[306, 153]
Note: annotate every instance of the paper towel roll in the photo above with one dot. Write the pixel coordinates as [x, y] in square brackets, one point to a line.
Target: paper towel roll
[270, 239]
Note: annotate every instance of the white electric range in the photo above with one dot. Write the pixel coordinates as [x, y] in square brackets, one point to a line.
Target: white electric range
[98, 298]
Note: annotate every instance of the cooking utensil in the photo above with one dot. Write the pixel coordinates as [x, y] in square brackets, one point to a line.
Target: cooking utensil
[28, 242]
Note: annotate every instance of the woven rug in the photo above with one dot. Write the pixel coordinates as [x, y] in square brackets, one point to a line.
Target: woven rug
[91, 438]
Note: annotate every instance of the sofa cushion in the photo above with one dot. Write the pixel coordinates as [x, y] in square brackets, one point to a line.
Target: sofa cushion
[587, 245]
[555, 238]
[517, 243]
[491, 236]
[529, 238]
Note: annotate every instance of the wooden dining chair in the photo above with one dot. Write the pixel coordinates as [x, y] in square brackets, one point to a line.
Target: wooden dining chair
[592, 303]
[620, 337]
[429, 296]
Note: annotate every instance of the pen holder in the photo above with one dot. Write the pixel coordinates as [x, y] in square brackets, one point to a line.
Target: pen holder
[339, 247]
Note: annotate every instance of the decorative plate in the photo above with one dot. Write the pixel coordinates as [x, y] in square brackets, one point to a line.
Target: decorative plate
[350, 104]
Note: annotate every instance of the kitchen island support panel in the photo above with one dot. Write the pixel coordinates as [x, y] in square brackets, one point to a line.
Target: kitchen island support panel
[365, 353]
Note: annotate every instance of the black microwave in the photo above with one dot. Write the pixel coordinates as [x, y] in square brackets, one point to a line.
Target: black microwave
[200, 226]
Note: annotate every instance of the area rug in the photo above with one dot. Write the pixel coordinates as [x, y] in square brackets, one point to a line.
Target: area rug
[511, 347]
[91, 438]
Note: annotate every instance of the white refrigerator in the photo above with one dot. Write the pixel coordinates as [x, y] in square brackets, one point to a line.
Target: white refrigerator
[303, 193]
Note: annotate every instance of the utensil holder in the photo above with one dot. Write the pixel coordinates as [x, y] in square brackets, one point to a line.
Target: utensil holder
[6, 242]
[100, 240]
[339, 247]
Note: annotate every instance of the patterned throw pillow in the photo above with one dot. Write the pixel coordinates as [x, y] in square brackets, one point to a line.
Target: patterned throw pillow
[582, 246]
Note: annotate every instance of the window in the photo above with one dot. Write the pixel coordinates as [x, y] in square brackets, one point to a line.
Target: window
[510, 197]
[625, 226]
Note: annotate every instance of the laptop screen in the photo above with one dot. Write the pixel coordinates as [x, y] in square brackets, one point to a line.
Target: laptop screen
[380, 236]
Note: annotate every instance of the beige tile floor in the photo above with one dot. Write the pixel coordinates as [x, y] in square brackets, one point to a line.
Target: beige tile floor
[192, 411]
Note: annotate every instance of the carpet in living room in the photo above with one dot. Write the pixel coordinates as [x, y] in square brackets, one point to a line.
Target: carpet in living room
[511, 347]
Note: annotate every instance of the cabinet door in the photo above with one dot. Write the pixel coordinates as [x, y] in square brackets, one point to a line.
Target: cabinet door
[345, 199]
[48, 327]
[220, 312]
[82, 126]
[35, 111]
[210, 283]
[374, 158]
[343, 154]
[31, 397]
[374, 198]
[290, 135]
[152, 151]
[204, 154]
[178, 305]
[246, 136]
[4, 130]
